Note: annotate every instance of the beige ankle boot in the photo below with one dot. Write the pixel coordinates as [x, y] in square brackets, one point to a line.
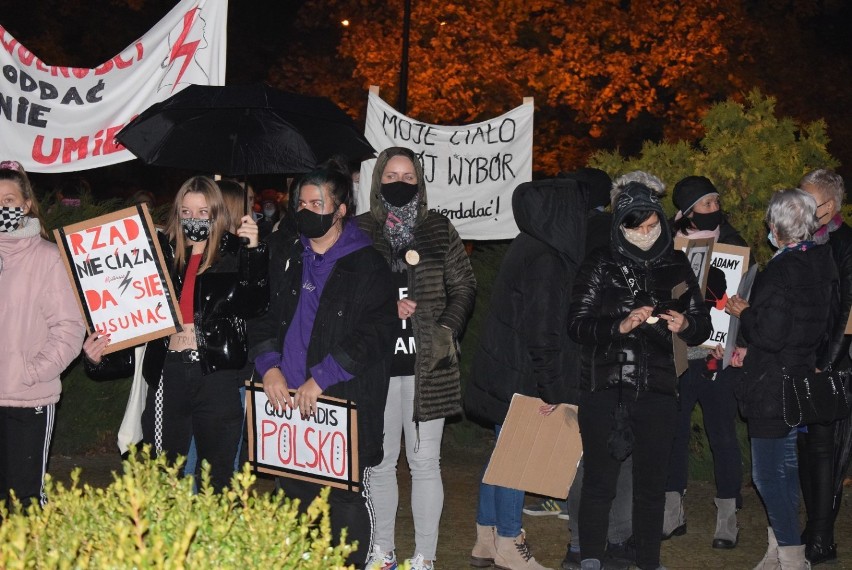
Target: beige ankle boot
[485, 548]
[770, 559]
[793, 558]
[674, 519]
[727, 531]
[514, 554]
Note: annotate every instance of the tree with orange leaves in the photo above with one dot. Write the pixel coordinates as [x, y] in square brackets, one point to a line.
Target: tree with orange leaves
[590, 65]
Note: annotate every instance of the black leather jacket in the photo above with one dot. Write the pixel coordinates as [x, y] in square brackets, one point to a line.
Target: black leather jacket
[234, 289]
[836, 354]
[602, 299]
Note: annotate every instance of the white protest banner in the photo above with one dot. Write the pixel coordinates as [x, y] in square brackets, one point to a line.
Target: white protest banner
[116, 266]
[62, 119]
[728, 264]
[471, 171]
[322, 448]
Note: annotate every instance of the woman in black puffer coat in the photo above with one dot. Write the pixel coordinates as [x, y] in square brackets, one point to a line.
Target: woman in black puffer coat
[627, 358]
[786, 324]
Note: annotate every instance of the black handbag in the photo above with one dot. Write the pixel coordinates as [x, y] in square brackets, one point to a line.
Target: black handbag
[817, 398]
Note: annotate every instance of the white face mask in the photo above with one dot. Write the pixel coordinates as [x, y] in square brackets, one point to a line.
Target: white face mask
[640, 240]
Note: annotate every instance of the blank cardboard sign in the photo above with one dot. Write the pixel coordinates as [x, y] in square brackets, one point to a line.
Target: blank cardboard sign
[535, 453]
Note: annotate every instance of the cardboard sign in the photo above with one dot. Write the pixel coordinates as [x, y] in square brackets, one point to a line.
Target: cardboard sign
[698, 252]
[744, 291]
[535, 453]
[116, 266]
[731, 263]
[322, 449]
[678, 344]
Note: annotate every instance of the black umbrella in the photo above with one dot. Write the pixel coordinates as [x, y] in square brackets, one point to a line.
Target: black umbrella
[240, 130]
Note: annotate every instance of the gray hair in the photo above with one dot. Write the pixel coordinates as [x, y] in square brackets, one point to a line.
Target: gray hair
[793, 213]
[619, 184]
[828, 181]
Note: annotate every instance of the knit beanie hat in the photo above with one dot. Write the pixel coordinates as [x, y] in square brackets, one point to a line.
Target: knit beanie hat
[690, 190]
[596, 182]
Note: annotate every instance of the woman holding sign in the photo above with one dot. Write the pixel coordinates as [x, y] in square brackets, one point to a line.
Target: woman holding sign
[42, 331]
[700, 216]
[435, 291]
[623, 316]
[328, 332]
[194, 391]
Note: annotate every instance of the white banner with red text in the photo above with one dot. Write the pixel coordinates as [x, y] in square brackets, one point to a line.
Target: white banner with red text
[64, 119]
[470, 171]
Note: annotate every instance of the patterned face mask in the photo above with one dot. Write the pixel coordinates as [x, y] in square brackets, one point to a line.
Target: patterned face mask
[10, 218]
[640, 240]
[196, 229]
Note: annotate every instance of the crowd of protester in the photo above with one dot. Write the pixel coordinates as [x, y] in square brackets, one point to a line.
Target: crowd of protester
[295, 290]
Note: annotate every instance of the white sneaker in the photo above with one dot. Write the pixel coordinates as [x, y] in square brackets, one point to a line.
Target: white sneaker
[381, 560]
[417, 563]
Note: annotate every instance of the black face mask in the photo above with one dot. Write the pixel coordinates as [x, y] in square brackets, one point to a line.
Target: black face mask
[313, 225]
[708, 222]
[399, 193]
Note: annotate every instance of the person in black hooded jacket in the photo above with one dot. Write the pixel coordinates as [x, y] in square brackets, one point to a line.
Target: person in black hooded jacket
[525, 347]
[628, 363]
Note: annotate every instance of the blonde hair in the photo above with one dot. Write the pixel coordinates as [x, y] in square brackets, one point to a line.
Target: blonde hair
[13, 171]
[219, 221]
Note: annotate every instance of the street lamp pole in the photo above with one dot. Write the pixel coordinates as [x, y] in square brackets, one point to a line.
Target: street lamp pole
[402, 103]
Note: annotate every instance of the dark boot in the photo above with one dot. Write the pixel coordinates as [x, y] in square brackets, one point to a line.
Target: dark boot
[818, 551]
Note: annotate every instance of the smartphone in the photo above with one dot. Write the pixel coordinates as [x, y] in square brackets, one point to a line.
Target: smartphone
[663, 306]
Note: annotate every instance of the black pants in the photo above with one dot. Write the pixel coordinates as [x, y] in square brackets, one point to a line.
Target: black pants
[24, 446]
[187, 404]
[652, 417]
[816, 475]
[348, 509]
[719, 407]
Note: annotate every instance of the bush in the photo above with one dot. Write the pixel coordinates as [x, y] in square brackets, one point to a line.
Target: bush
[149, 517]
[746, 151]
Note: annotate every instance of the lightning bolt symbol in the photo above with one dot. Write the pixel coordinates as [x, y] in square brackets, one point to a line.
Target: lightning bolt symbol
[124, 283]
[184, 50]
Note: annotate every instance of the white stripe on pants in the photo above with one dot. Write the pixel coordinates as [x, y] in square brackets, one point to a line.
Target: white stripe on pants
[423, 451]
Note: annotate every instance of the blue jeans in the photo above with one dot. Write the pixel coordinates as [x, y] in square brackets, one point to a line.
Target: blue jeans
[775, 470]
[500, 507]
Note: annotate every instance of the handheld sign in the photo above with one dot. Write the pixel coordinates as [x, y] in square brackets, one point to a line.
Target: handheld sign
[117, 269]
[322, 448]
[698, 252]
[728, 265]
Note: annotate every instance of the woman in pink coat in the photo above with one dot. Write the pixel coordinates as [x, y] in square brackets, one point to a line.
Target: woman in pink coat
[41, 330]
